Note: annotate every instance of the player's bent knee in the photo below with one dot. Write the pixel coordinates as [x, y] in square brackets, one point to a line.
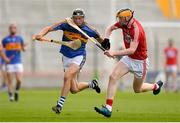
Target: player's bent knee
[74, 91]
[113, 77]
[137, 90]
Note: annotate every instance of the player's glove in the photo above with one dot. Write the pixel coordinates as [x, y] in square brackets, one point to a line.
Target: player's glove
[106, 44]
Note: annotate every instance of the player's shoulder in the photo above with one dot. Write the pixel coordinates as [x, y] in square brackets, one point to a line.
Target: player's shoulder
[165, 49]
[63, 22]
[6, 38]
[136, 23]
[175, 48]
[60, 24]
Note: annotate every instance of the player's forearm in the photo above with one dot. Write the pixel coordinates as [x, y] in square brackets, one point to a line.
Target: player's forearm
[44, 31]
[24, 46]
[2, 54]
[124, 52]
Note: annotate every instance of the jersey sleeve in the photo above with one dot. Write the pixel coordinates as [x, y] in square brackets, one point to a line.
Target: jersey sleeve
[3, 43]
[96, 34]
[98, 37]
[117, 24]
[60, 26]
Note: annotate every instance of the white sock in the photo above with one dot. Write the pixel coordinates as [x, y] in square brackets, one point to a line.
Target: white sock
[109, 107]
[157, 86]
[91, 85]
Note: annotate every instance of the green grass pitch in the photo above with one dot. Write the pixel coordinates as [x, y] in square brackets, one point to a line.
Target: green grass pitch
[35, 105]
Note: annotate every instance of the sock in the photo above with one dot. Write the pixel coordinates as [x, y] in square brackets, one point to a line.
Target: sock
[156, 86]
[109, 103]
[10, 94]
[18, 85]
[91, 84]
[61, 101]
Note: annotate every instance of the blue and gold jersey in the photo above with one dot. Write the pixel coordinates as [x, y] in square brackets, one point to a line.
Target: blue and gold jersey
[13, 46]
[69, 34]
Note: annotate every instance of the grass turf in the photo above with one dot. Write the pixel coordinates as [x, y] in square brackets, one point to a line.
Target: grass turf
[35, 105]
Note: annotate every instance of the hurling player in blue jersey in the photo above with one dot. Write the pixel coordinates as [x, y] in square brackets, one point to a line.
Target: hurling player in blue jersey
[13, 45]
[73, 60]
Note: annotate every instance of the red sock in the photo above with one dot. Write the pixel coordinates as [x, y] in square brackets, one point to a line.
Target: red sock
[109, 102]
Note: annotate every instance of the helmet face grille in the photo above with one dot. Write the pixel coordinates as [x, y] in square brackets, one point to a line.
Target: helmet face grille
[78, 12]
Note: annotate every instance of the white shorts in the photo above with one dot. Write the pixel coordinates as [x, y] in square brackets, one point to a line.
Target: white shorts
[14, 68]
[79, 60]
[137, 67]
[171, 68]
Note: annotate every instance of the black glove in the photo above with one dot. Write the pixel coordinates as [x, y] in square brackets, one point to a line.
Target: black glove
[106, 44]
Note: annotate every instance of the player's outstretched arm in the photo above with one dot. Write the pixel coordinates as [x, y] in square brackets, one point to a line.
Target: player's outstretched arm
[106, 43]
[46, 30]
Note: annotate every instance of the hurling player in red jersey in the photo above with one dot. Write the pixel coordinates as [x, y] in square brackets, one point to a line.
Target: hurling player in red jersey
[134, 58]
[171, 64]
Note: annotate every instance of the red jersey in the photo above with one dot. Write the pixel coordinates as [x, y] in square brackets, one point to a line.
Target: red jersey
[135, 33]
[171, 54]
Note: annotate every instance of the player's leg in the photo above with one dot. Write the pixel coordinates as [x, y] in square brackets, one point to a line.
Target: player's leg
[10, 72]
[139, 84]
[4, 78]
[79, 86]
[167, 78]
[174, 81]
[10, 85]
[69, 74]
[120, 70]
[18, 76]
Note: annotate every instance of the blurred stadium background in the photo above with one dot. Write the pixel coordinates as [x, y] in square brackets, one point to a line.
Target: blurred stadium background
[42, 62]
